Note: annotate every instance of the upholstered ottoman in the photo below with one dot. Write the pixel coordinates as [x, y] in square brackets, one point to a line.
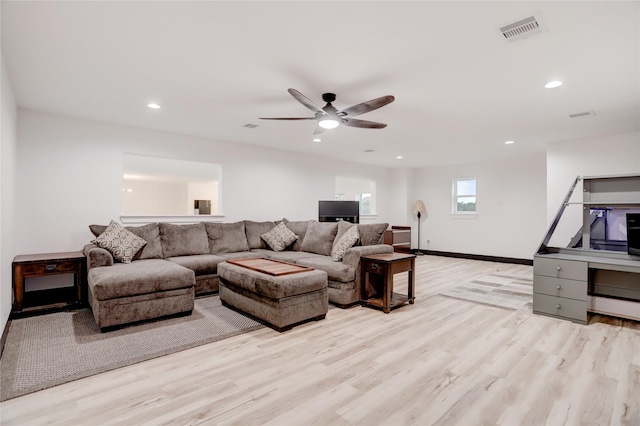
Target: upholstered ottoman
[281, 301]
[142, 290]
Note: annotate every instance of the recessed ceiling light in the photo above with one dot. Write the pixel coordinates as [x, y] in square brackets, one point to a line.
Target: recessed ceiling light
[553, 84]
[317, 140]
[509, 142]
[153, 106]
[399, 157]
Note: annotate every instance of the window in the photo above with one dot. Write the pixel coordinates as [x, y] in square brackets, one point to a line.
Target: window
[464, 196]
[362, 190]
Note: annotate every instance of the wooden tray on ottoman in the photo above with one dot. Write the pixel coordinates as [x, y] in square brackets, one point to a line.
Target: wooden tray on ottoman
[271, 267]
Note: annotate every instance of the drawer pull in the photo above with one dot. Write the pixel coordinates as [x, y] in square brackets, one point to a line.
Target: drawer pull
[558, 306]
[559, 287]
[50, 267]
[558, 268]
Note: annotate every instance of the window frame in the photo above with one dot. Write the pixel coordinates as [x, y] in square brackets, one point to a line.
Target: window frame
[455, 197]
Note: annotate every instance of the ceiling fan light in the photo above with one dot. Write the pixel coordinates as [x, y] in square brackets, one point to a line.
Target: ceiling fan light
[328, 123]
[553, 84]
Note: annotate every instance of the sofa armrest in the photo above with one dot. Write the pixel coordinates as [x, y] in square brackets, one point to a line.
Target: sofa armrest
[352, 256]
[97, 256]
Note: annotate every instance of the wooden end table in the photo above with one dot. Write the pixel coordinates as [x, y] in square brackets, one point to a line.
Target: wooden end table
[41, 265]
[376, 280]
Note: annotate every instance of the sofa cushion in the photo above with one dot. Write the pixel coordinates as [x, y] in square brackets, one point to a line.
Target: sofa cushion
[226, 237]
[254, 230]
[337, 271]
[300, 229]
[371, 233]
[286, 255]
[319, 237]
[122, 244]
[239, 255]
[344, 242]
[183, 240]
[139, 277]
[279, 237]
[150, 233]
[201, 264]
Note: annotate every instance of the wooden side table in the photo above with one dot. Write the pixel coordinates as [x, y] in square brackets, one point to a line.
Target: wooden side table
[41, 265]
[376, 280]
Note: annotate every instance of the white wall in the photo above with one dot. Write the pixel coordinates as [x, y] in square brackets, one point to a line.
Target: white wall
[8, 143]
[609, 155]
[403, 180]
[156, 198]
[511, 206]
[70, 176]
[202, 191]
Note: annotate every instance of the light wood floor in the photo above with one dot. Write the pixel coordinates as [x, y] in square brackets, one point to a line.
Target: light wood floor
[439, 362]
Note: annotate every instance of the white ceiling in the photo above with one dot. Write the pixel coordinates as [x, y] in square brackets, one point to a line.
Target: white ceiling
[461, 89]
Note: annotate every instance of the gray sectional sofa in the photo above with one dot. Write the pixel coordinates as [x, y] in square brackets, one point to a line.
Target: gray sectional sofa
[179, 262]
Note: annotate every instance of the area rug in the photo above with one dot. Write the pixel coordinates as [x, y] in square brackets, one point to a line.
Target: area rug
[497, 290]
[49, 350]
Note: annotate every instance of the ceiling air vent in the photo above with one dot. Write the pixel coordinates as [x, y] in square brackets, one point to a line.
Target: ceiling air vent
[250, 126]
[521, 29]
[582, 114]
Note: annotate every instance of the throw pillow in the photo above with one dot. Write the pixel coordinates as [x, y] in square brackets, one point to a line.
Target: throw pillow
[122, 244]
[150, 233]
[344, 243]
[279, 237]
[319, 238]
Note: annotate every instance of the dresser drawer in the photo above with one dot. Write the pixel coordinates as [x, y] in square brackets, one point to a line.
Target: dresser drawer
[572, 309]
[558, 268]
[53, 267]
[560, 287]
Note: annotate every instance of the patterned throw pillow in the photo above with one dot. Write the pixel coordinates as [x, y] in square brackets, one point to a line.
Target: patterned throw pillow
[346, 241]
[122, 244]
[279, 237]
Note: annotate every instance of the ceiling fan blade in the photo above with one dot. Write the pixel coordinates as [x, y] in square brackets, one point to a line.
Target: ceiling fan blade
[305, 101]
[364, 124]
[367, 106]
[318, 130]
[285, 118]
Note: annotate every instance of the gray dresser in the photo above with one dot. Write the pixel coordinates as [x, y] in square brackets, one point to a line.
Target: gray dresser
[560, 288]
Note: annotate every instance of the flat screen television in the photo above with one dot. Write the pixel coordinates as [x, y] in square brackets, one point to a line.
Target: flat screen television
[633, 233]
[334, 211]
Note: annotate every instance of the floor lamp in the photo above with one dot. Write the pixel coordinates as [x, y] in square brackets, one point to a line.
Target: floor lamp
[419, 209]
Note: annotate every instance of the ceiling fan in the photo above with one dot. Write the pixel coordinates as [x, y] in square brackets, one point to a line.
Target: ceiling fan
[329, 117]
